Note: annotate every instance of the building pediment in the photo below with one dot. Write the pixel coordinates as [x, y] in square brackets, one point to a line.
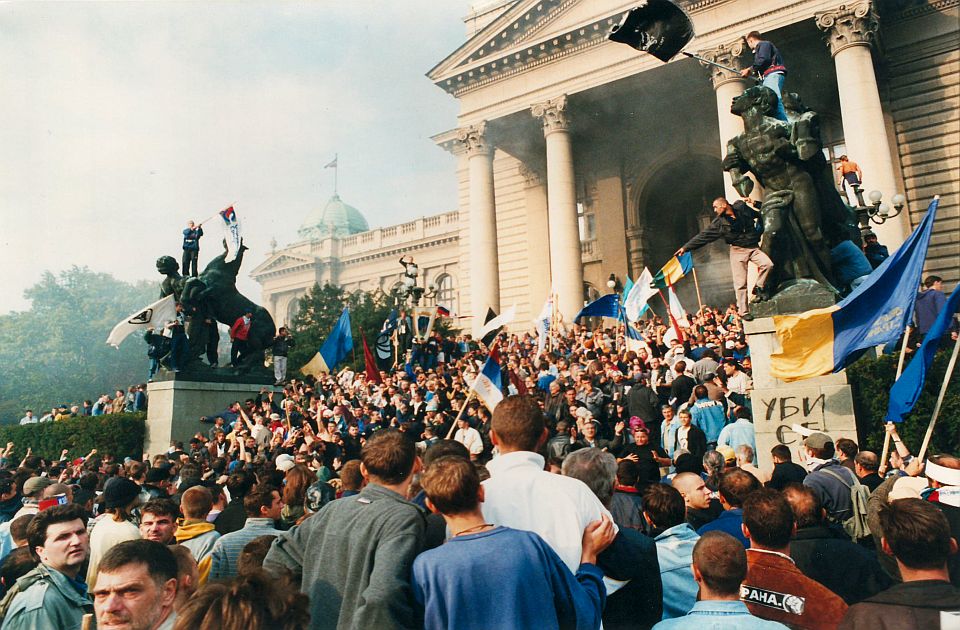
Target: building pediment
[526, 34]
[281, 261]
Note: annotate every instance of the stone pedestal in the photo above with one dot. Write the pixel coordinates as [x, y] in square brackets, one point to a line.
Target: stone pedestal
[822, 404]
[176, 407]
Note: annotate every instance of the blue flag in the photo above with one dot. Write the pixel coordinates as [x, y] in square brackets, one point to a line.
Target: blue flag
[334, 350]
[829, 339]
[906, 391]
[607, 306]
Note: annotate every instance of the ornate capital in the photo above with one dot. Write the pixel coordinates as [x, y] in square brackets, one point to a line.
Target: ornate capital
[849, 25]
[735, 55]
[554, 114]
[530, 175]
[473, 139]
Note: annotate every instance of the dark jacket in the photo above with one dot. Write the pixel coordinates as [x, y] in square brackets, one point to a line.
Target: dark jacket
[834, 493]
[191, 238]
[767, 59]
[741, 230]
[282, 345]
[643, 403]
[639, 604]
[927, 307]
[817, 551]
[626, 507]
[785, 473]
[906, 606]
[355, 557]
[232, 518]
[696, 441]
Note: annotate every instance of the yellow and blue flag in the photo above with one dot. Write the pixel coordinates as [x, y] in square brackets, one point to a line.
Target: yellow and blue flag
[334, 350]
[676, 268]
[906, 391]
[829, 339]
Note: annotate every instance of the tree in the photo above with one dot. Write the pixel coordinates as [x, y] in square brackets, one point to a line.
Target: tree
[57, 353]
[321, 307]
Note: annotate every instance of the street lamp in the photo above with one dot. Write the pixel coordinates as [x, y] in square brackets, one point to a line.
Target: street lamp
[612, 283]
[877, 211]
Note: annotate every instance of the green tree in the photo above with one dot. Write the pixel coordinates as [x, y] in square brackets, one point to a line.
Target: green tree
[56, 352]
[321, 307]
[871, 378]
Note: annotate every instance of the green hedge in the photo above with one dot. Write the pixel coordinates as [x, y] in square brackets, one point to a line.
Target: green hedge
[120, 435]
[871, 379]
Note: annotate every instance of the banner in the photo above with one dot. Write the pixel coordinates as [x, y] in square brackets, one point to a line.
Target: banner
[231, 233]
[153, 316]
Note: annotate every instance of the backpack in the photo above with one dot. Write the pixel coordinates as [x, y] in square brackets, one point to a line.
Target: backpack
[856, 526]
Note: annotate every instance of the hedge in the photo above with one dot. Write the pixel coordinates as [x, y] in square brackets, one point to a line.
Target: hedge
[120, 435]
[871, 379]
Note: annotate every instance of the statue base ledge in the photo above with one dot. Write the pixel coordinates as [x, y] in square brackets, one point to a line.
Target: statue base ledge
[803, 295]
[216, 375]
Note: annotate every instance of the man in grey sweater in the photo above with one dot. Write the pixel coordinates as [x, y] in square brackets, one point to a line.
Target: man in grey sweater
[355, 556]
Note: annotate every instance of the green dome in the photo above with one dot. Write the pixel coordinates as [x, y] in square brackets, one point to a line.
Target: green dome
[334, 219]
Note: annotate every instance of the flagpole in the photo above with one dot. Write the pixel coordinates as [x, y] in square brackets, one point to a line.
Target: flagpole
[940, 397]
[696, 284]
[336, 171]
[473, 391]
[886, 438]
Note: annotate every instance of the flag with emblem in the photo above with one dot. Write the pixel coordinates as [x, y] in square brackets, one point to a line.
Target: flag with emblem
[829, 339]
[231, 233]
[489, 383]
[152, 316]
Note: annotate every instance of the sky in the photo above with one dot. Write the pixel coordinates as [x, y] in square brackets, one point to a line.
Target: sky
[122, 120]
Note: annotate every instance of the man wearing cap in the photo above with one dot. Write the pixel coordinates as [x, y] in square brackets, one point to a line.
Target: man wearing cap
[120, 497]
[828, 477]
[32, 490]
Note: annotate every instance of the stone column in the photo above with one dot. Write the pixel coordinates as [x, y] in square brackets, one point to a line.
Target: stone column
[728, 85]
[850, 33]
[566, 269]
[484, 274]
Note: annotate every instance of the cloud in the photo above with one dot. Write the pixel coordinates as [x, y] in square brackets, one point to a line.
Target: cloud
[123, 120]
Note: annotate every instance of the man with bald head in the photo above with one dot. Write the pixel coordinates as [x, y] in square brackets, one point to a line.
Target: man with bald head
[701, 509]
[866, 465]
[719, 566]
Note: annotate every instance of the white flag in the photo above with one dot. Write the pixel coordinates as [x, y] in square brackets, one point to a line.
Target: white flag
[642, 291]
[502, 319]
[153, 316]
[542, 324]
[676, 308]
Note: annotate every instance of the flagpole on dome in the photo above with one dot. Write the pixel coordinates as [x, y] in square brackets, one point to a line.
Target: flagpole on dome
[335, 166]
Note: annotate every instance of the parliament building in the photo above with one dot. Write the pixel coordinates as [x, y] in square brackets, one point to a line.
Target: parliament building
[581, 161]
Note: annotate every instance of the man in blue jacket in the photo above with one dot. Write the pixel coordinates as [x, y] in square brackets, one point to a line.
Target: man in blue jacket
[191, 248]
[768, 64]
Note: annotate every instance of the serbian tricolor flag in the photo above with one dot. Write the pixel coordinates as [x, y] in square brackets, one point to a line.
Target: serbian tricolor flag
[443, 311]
[231, 233]
[488, 383]
[829, 339]
[676, 268]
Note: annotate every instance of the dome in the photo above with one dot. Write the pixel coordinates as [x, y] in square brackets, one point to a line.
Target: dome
[334, 219]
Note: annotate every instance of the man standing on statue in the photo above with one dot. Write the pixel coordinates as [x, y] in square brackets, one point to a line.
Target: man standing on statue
[768, 64]
[191, 248]
[737, 224]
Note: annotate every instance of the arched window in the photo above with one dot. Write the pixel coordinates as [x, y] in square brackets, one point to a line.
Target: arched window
[293, 308]
[446, 294]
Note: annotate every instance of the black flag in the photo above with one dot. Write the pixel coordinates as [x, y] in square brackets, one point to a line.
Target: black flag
[490, 336]
[658, 27]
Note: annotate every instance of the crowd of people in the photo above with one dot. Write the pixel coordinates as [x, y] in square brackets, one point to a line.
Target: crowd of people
[611, 485]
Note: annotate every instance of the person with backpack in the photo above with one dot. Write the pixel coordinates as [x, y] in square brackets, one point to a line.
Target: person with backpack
[841, 494]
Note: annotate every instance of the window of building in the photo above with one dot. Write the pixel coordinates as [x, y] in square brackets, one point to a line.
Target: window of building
[293, 309]
[588, 223]
[446, 293]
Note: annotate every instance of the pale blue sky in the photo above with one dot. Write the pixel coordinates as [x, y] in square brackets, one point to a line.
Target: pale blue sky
[122, 120]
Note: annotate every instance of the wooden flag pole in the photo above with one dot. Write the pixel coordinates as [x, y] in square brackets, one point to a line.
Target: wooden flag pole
[886, 438]
[473, 391]
[696, 283]
[940, 397]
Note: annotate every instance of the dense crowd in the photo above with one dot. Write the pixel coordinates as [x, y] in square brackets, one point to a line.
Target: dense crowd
[616, 482]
